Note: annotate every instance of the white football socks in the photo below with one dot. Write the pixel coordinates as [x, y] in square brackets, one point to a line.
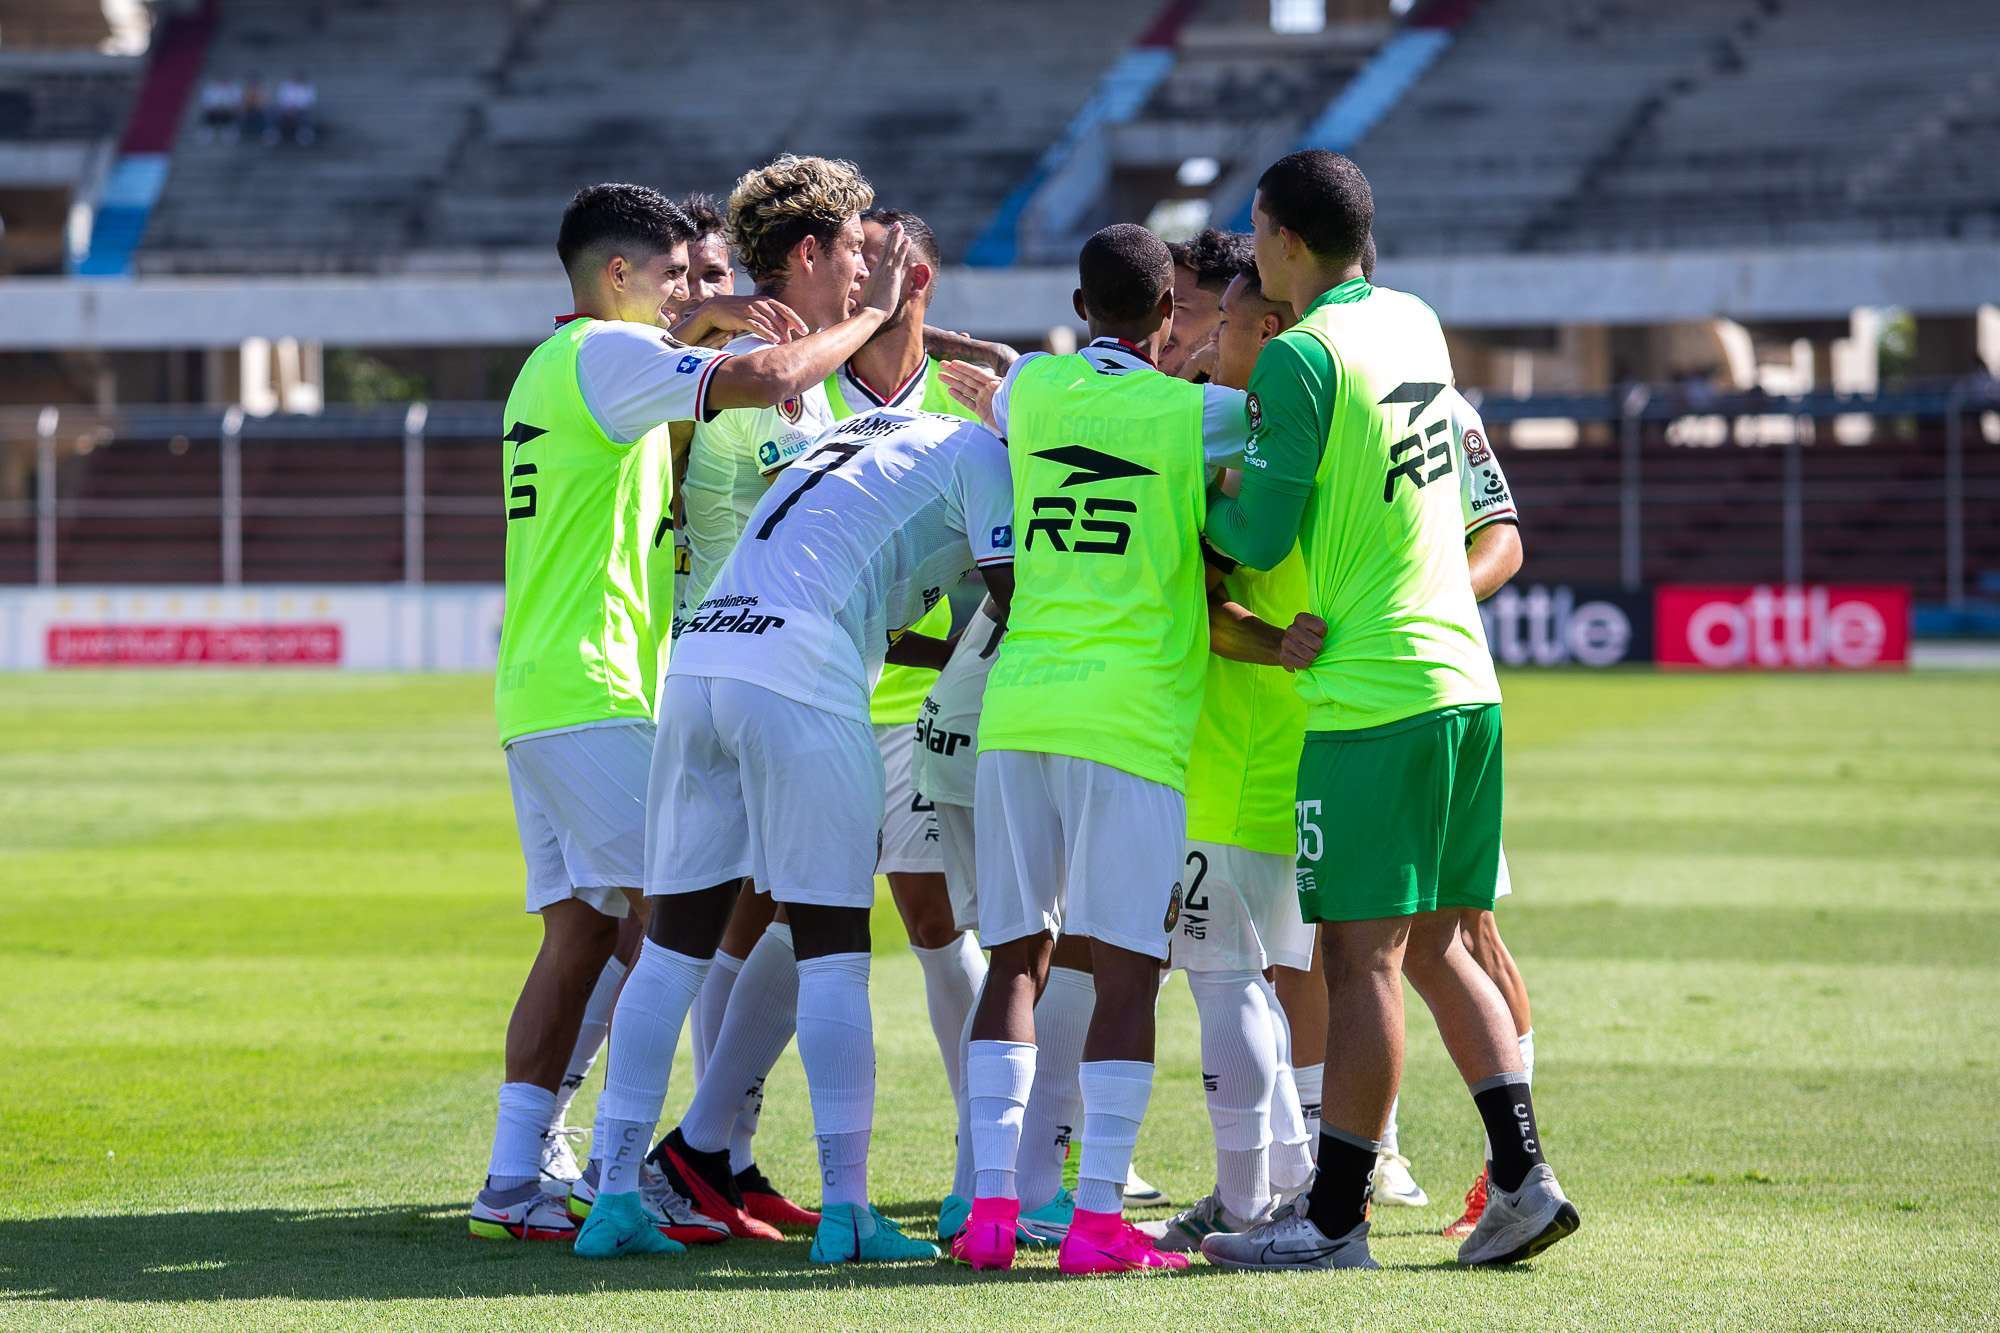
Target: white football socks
[517, 1135]
[1055, 1103]
[961, 1171]
[953, 975]
[645, 1029]
[1390, 1140]
[589, 1038]
[998, 1077]
[1291, 1139]
[763, 1009]
[710, 1007]
[1310, 1080]
[1239, 1070]
[1115, 1093]
[837, 1047]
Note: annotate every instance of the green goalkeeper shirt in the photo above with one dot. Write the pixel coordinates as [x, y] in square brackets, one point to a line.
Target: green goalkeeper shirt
[1351, 456]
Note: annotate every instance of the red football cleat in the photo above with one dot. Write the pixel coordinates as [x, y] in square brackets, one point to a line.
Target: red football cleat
[1475, 1204]
[762, 1201]
[717, 1198]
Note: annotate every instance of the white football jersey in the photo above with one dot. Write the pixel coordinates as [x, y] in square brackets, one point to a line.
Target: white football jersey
[947, 749]
[1482, 485]
[883, 515]
[728, 460]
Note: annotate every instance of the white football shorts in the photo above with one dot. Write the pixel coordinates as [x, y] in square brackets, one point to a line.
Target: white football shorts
[909, 821]
[957, 848]
[1071, 846]
[746, 781]
[1239, 909]
[580, 806]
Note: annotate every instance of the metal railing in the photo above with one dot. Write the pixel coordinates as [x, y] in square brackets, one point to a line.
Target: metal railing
[1647, 485]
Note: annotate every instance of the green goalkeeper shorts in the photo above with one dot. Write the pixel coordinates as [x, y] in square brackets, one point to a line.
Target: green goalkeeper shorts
[1402, 818]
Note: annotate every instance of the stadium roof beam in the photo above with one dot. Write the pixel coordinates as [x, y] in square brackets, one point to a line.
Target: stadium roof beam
[1469, 292]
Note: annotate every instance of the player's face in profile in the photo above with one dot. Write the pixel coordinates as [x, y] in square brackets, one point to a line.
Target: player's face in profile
[1239, 335]
[709, 272]
[658, 288]
[844, 266]
[1195, 313]
[1270, 249]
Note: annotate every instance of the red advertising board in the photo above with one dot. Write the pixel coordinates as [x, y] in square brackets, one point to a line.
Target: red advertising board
[1761, 627]
[194, 644]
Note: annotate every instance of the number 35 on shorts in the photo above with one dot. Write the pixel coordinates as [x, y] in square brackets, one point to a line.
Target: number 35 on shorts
[1312, 843]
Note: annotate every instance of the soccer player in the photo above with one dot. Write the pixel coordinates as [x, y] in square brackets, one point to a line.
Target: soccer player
[795, 224]
[588, 587]
[756, 951]
[1399, 789]
[1241, 915]
[1203, 266]
[766, 767]
[1083, 741]
[711, 271]
[1493, 556]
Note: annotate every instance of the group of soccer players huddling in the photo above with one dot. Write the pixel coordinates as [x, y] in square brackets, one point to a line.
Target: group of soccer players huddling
[1225, 707]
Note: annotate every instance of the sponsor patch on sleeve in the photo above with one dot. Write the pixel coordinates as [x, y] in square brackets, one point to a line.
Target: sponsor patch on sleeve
[689, 364]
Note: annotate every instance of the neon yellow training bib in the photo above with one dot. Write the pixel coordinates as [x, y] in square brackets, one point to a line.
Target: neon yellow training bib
[1107, 639]
[590, 566]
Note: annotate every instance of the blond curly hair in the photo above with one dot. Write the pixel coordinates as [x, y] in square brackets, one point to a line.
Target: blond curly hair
[777, 205]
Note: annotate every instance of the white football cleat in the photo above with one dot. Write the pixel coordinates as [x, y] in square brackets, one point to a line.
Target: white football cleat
[1138, 1194]
[559, 1166]
[1395, 1184]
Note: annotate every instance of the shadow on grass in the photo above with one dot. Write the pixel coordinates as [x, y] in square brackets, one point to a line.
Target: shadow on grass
[413, 1252]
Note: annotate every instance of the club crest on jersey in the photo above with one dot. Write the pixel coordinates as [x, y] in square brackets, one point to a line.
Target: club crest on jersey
[1476, 450]
[689, 364]
[792, 409]
[1173, 909]
[767, 453]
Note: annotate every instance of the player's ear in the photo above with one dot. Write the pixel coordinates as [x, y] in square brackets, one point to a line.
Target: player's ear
[1269, 327]
[616, 271]
[807, 252]
[1076, 300]
[920, 277]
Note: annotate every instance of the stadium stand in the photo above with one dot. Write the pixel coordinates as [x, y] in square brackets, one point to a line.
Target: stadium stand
[48, 96]
[1700, 123]
[539, 99]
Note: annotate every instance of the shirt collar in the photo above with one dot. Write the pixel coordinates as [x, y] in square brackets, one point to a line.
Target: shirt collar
[571, 316]
[1354, 289]
[1122, 354]
[898, 396]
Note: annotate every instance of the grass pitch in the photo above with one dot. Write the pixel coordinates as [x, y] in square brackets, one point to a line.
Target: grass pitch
[261, 933]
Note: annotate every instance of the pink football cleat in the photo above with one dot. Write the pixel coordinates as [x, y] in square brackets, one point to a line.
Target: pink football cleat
[987, 1239]
[1107, 1243]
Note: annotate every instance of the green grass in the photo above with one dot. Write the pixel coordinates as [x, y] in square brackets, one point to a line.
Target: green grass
[260, 934]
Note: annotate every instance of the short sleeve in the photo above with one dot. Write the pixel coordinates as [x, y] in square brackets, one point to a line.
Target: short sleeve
[1225, 425]
[986, 496]
[1483, 491]
[1290, 409]
[1006, 390]
[634, 378]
